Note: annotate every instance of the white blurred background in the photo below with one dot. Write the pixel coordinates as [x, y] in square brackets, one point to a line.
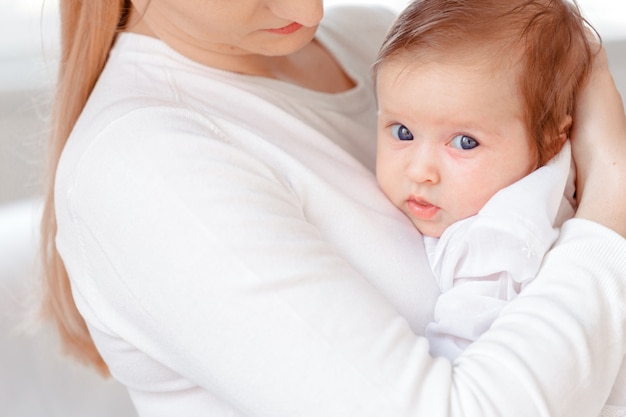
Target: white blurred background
[35, 380]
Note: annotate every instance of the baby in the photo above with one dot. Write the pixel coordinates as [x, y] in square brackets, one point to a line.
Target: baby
[476, 99]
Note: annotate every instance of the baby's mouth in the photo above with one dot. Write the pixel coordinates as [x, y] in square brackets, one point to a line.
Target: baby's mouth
[422, 209]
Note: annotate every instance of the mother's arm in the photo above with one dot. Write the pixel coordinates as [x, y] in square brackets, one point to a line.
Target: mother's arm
[599, 147]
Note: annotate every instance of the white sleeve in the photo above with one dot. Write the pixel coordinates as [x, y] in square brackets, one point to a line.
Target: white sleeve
[551, 307]
[205, 261]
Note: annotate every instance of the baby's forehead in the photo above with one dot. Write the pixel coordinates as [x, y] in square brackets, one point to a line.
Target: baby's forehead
[490, 54]
[486, 61]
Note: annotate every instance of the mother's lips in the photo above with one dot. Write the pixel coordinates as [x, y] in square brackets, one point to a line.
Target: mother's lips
[285, 30]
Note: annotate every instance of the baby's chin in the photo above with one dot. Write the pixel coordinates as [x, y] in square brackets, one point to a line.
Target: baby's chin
[436, 229]
[431, 230]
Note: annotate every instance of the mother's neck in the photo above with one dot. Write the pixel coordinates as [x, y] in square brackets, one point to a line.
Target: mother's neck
[312, 67]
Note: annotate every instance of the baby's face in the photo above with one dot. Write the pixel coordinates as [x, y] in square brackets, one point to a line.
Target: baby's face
[449, 137]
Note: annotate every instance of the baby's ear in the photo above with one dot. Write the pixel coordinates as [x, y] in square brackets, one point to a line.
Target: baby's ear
[564, 128]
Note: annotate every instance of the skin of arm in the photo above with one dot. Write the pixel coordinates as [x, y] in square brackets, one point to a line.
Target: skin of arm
[599, 149]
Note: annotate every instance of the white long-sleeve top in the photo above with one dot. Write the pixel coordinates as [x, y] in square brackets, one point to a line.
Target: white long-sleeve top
[232, 256]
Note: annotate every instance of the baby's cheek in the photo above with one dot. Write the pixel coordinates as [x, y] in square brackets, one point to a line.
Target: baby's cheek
[388, 179]
[473, 203]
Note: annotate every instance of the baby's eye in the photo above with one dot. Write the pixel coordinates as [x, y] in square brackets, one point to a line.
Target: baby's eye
[401, 132]
[464, 142]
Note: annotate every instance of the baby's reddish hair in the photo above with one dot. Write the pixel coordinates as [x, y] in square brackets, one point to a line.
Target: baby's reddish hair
[546, 43]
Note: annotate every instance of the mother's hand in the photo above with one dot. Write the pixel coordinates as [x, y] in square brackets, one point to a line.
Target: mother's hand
[599, 148]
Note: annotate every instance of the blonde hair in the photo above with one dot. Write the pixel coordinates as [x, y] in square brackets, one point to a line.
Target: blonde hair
[549, 38]
[88, 30]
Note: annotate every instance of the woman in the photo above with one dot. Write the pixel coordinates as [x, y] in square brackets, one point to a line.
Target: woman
[231, 254]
